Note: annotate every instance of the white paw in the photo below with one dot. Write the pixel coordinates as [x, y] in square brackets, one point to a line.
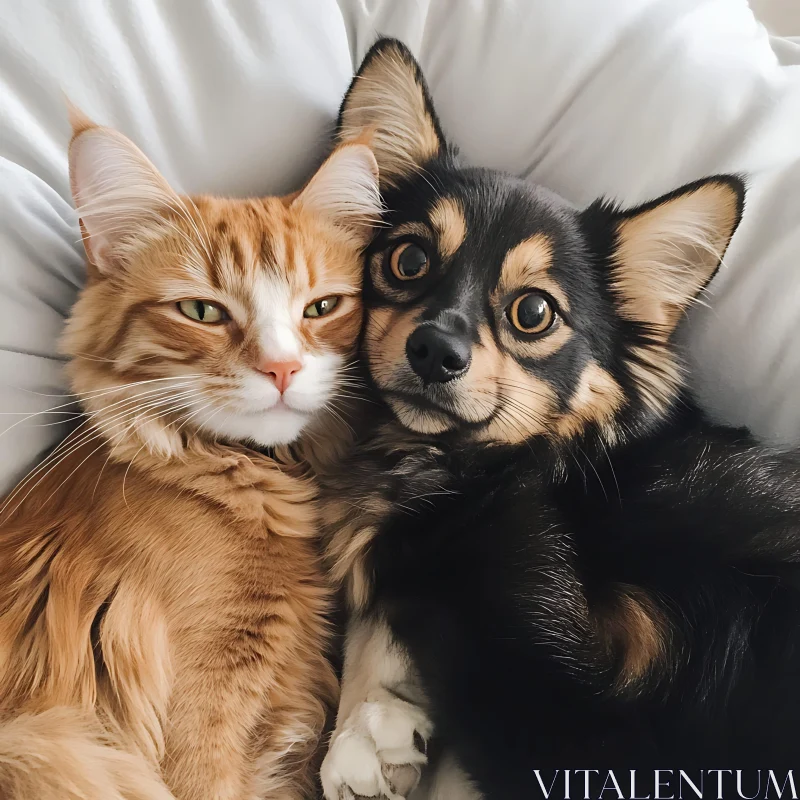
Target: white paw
[378, 751]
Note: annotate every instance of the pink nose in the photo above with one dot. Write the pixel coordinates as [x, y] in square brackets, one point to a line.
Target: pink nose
[281, 372]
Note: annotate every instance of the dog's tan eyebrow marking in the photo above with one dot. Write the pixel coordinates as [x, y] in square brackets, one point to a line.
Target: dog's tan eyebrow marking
[414, 229]
[527, 265]
[450, 225]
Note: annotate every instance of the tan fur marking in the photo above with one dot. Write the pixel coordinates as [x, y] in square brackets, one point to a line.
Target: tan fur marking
[429, 422]
[597, 399]
[352, 533]
[522, 403]
[657, 373]
[634, 627]
[385, 335]
[526, 266]
[543, 347]
[447, 219]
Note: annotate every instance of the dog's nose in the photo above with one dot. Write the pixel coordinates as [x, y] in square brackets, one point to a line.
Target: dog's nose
[437, 355]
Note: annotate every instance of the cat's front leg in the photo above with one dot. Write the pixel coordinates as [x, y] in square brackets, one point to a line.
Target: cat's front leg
[379, 746]
[211, 716]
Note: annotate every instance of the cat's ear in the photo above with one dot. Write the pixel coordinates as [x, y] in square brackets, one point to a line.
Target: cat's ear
[667, 251]
[117, 191]
[345, 190]
[389, 101]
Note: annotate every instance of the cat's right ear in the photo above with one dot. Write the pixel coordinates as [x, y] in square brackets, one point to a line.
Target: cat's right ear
[117, 191]
[388, 103]
[345, 190]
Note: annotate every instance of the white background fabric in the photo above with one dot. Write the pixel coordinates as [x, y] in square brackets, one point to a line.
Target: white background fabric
[782, 17]
[627, 98]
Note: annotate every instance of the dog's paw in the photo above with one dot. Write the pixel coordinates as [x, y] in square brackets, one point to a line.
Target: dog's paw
[378, 751]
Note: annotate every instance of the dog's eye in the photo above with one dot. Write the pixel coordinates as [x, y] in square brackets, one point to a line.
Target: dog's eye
[531, 313]
[409, 262]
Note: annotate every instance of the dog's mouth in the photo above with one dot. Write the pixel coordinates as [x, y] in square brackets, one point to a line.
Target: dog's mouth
[429, 410]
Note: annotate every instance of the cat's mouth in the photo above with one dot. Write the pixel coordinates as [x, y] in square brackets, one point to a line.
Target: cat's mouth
[280, 407]
[279, 423]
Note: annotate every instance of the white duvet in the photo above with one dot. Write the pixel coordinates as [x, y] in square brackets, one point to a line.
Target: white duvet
[627, 98]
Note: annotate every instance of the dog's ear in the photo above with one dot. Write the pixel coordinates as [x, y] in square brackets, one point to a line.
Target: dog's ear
[660, 257]
[667, 251]
[388, 107]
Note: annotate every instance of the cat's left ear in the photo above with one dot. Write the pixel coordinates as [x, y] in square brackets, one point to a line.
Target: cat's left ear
[117, 191]
[664, 253]
[345, 190]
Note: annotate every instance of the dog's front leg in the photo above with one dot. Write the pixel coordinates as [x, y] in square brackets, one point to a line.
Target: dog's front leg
[379, 746]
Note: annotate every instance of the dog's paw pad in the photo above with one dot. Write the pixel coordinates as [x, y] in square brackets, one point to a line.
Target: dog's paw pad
[402, 778]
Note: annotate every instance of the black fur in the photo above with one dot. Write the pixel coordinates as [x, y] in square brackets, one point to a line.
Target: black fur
[496, 560]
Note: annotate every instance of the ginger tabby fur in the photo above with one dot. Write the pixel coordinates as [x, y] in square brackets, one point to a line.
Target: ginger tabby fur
[163, 626]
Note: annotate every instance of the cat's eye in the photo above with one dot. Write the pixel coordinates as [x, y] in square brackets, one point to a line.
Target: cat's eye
[409, 262]
[203, 311]
[321, 307]
[531, 313]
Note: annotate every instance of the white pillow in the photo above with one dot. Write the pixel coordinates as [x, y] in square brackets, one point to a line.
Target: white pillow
[627, 98]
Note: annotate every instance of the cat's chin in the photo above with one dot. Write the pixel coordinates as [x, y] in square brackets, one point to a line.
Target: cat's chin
[277, 426]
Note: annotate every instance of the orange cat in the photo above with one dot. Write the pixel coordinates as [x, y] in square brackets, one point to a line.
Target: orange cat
[162, 612]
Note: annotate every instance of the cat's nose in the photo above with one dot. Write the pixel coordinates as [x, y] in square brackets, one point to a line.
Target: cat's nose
[280, 372]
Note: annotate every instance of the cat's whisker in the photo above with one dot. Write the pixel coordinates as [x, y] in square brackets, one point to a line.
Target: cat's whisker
[103, 360]
[336, 415]
[141, 417]
[76, 415]
[121, 386]
[340, 395]
[89, 394]
[138, 418]
[71, 444]
[168, 411]
[74, 437]
[345, 380]
[36, 414]
[78, 400]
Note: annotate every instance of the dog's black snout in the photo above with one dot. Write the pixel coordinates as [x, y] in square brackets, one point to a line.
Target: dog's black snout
[437, 355]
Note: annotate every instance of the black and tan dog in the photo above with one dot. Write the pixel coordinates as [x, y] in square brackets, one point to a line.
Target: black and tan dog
[551, 559]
